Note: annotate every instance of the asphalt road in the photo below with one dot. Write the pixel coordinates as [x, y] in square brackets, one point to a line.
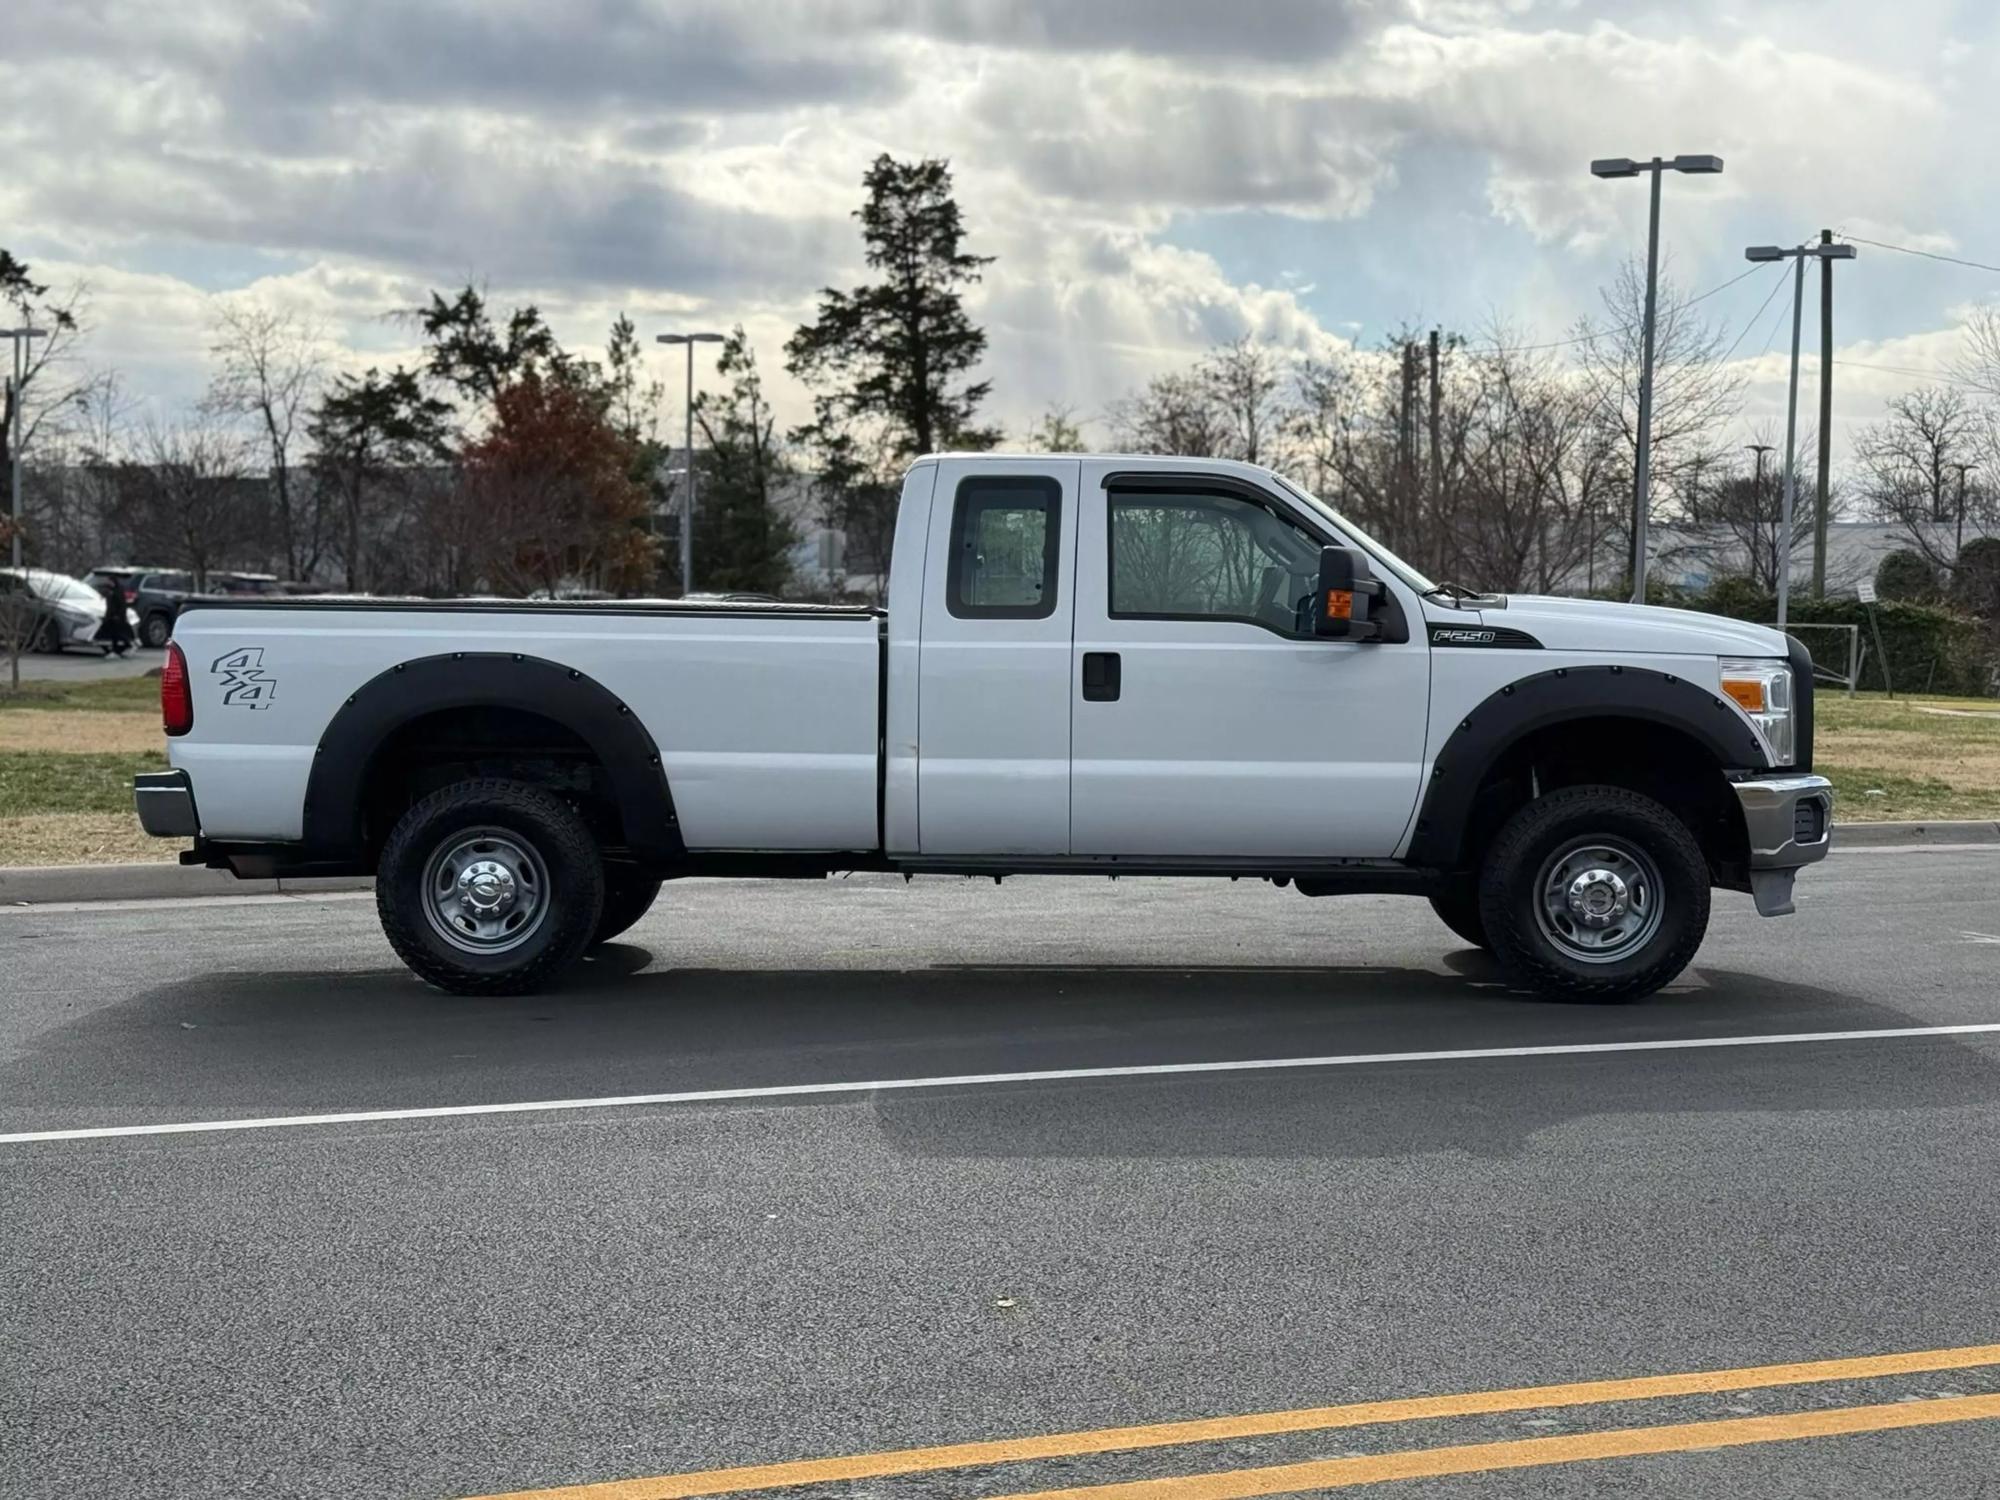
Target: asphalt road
[482, 1303]
[87, 666]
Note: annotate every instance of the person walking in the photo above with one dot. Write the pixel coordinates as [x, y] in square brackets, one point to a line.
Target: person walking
[115, 634]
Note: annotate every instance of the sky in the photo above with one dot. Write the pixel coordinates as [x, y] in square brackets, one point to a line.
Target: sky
[1152, 176]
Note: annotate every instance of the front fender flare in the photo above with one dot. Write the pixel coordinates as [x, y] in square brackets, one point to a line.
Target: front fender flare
[1549, 698]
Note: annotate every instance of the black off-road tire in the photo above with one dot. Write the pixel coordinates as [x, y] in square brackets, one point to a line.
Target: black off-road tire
[1508, 893]
[574, 891]
[627, 898]
[1457, 906]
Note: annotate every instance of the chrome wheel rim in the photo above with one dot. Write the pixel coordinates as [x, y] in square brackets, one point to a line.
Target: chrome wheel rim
[486, 890]
[1598, 900]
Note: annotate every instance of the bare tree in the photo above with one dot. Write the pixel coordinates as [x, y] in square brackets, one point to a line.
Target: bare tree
[270, 365]
[1057, 430]
[1173, 414]
[1738, 514]
[1245, 384]
[188, 495]
[1695, 394]
[1910, 472]
[50, 382]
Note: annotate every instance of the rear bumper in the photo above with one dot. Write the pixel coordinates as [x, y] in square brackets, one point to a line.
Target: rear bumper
[1789, 822]
[166, 805]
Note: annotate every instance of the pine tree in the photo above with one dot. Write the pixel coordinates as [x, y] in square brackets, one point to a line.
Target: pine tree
[746, 539]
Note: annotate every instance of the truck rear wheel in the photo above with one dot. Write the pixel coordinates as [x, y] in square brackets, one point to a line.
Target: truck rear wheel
[627, 898]
[1594, 893]
[490, 887]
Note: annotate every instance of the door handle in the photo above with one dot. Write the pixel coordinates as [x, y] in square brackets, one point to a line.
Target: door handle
[1102, 671]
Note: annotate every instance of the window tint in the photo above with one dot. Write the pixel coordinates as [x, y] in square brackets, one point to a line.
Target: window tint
[167, 582]
[1215, 557]
[1004, 536]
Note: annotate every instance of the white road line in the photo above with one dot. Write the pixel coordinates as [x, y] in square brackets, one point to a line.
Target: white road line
[978, 1080]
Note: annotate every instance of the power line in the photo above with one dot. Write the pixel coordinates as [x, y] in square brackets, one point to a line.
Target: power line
[1977, 265]
[1605, 333]
[1935, 376]
[1751, 321]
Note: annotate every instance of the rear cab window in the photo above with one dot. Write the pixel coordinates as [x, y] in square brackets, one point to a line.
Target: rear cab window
[1005, 535]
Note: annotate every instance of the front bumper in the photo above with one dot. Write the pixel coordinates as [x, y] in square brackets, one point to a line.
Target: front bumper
[165, 800]
[1789, 821]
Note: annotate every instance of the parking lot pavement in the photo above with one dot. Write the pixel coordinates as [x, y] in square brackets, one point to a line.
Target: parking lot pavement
[483, 1303]
[86, 666]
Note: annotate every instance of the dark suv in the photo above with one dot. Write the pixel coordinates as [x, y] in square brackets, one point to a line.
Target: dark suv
[155, 599]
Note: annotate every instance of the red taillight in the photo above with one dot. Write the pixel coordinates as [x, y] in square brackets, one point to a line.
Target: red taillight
[176, 698]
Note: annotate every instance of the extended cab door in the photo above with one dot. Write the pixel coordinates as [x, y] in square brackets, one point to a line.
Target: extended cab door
[993, 710]
[1207, 723]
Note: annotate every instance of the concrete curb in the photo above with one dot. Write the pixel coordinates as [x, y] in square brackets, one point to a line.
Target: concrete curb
[1869, 835]
[33, 886]
[37, 885]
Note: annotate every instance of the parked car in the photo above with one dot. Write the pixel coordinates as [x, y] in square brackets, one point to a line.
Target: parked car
[156, 599]
[47, 611]
[124, 575]
[1126, 666]
[245, 583]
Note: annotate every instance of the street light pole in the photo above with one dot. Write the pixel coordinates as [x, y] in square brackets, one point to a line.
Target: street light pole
[1798, 256]
[1642, 469]
[687, 502]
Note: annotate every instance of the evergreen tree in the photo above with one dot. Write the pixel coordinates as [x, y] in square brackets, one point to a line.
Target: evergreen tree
[746, 538]
[890, 361]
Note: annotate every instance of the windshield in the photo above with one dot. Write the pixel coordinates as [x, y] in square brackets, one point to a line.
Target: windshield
[61, 587]
[1360, 538]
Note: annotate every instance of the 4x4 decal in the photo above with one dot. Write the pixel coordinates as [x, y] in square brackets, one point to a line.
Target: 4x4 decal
[245, 683]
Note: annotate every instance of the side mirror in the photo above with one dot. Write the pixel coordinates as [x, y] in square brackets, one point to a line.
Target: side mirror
[1343, 606]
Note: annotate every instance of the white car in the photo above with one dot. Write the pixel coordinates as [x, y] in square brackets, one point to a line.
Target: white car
[1088, 666]
[52, 611]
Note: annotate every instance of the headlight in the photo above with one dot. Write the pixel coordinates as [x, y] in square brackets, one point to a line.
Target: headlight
[1762, 688]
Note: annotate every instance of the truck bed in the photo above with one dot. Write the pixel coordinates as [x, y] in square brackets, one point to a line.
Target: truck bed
[767, 716]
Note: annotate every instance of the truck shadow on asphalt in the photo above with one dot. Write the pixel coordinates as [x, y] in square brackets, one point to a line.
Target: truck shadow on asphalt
[264, 1043]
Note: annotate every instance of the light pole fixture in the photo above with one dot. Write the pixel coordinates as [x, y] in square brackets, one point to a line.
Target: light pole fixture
[1798, 256]
[687, 503]
[1642, 472]
[20, 338]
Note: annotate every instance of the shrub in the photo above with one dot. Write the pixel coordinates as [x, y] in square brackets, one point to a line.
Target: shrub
[1906, 575]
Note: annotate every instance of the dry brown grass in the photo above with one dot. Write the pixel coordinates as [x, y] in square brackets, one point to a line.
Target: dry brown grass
[73, 731]
[1891, 760]
[82, 839]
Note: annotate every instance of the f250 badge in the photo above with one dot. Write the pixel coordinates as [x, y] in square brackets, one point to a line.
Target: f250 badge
[245, 683]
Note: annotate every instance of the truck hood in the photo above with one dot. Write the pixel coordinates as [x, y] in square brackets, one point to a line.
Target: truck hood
[1594, 625]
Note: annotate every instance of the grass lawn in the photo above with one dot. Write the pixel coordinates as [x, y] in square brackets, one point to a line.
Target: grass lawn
[68, 753]
[1908, 758]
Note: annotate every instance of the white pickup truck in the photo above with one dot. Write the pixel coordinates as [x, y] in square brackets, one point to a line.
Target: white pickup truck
[1088, 666]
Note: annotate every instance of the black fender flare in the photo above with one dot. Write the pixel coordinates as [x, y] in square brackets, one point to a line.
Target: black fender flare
[475, 679]
[1528, 705]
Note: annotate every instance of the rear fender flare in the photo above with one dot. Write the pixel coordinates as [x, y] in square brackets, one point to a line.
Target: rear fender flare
[345, 758]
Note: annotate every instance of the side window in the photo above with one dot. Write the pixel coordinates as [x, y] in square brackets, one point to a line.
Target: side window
[1004, 538]
[1208, 557]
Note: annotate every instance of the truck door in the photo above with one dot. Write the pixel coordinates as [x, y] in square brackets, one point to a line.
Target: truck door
[993, 711]
[1208, 723]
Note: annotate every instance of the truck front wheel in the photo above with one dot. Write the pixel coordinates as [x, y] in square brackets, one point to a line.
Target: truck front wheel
[490, 887]
[1594, 893]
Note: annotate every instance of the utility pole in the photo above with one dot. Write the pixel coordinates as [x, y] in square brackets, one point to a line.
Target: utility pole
[1958, 539]
[1825, 414]
[22, 340]
[1825, 250]
[1406, 449]
[1437, 452]
[1757, 487]
[1642, 468]
[687, 503]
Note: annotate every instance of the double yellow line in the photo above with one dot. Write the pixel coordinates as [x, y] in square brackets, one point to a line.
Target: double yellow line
[1410, 1464]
